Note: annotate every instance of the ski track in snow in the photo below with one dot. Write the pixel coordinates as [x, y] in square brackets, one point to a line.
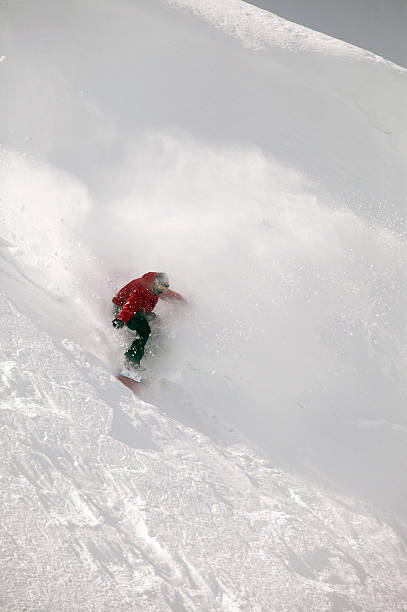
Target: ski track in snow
[168, 520]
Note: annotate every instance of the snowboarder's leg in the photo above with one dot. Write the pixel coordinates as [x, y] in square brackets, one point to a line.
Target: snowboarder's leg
[135, 352]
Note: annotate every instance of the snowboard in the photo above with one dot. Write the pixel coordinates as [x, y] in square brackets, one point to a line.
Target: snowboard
[131, 379]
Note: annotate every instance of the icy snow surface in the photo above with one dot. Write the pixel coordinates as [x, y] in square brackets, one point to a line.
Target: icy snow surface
[262, 165]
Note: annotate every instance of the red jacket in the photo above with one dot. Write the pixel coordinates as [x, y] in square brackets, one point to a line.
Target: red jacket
[138, 296]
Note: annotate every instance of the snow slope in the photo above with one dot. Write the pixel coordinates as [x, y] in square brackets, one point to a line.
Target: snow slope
[263, 166]
[109, 504]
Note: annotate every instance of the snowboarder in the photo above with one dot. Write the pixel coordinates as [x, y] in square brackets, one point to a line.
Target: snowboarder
[134, 305]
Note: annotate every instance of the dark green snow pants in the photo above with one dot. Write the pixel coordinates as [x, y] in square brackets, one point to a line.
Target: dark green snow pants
[139, 324]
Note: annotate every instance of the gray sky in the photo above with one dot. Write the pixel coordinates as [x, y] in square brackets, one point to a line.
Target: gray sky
[377, 25]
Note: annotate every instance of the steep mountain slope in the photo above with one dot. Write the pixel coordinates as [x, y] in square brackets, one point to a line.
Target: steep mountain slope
[262, 166]
[108, 504]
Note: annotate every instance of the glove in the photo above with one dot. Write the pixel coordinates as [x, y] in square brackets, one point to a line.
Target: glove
[117, 323]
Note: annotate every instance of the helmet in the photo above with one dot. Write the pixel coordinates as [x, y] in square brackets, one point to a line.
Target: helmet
[161, 282]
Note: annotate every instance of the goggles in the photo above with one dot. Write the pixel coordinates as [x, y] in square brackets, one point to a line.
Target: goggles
[162, 286]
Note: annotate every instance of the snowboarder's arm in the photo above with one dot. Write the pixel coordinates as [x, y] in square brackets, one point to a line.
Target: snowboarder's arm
[130, 307]
[172, 296]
